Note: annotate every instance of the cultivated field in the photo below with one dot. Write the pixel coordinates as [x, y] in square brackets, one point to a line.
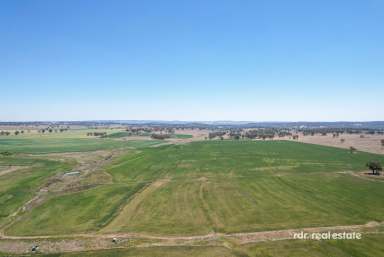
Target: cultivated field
[362, 142]
[203, 198]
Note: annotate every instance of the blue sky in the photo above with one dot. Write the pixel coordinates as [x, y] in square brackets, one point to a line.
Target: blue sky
[272, 60]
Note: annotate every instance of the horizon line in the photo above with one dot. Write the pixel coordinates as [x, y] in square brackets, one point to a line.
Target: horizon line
[192, 121]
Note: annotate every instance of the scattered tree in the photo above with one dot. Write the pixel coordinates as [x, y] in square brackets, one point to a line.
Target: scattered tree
[160, 136]
[97, 134]
[218, 134]
[5, 153]
[375, 167]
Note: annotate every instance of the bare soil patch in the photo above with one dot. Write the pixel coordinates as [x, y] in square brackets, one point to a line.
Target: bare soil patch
[9, 169]
[368, 175]
[367, 143]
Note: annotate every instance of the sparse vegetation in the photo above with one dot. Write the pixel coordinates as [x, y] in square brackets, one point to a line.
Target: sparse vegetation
[160, 136]
[96, 134]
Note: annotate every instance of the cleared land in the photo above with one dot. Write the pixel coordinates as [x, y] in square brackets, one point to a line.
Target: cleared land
[228, 187]
[209, 190]
[54, 145]
[27, 171]
[366, 143]
[249, 186]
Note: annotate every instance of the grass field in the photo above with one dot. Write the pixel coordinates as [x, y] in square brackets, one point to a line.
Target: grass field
[249, 186]
[182, 136]
[81, 212]
[118, 134]
[30, 173]
[199, 188]
[57, 145]
[229, 187]
[18, 187]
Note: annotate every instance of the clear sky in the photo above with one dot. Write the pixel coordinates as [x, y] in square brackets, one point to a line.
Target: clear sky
[272, 60]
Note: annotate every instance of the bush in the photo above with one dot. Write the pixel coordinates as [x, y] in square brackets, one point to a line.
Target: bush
[6, 153]
[160, 136]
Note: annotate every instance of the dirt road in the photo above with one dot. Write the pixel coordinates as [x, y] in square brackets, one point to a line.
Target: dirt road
[94, 241]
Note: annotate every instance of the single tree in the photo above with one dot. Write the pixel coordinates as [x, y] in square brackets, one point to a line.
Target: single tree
[352, 149]
[375, 167]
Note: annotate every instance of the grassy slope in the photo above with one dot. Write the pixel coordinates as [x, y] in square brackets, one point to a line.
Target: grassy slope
[230, 186]
[19, 186]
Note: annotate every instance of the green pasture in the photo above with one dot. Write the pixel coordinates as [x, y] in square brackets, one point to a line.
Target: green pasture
[182, 136]
[19, 186]
[224, 186]
[58, 145]
[78, 212]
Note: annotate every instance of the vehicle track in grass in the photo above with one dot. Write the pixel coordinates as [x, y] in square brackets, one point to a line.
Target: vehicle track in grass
[95, 241]
[133, 204]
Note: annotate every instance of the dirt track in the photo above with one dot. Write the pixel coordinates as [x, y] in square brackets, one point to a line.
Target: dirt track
[10, 169]
[133, 205]
[84, 242]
